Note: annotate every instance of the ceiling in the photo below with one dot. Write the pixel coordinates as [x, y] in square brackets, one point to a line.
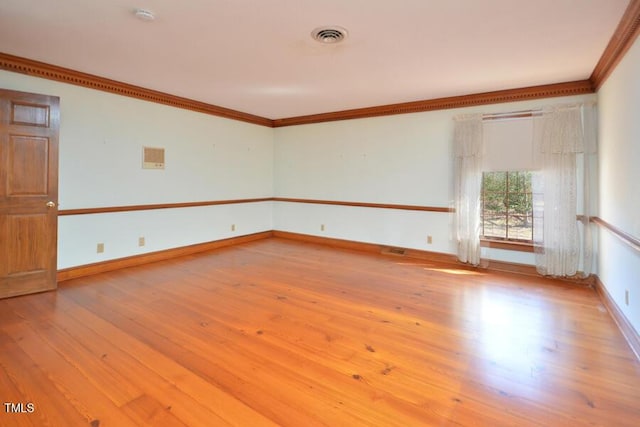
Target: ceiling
[258, 57]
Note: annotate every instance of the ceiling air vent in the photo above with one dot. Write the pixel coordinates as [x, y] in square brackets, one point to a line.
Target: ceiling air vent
[329, 35]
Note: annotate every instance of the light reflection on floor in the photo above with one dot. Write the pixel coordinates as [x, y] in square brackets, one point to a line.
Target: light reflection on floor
[455, 271]
[511, 342]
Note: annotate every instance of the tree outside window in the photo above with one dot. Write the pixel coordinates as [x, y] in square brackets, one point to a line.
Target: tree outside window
[507, 206]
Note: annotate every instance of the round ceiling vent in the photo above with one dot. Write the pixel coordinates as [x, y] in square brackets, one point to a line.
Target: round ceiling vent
[329, 35]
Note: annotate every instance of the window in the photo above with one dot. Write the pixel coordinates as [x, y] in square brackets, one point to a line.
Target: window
[507, 207]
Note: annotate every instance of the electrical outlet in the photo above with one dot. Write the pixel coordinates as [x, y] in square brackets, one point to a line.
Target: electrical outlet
[321, 227]
[429, 240]
[233, 227]
[626, 296]
[100, 248]
[140, 241]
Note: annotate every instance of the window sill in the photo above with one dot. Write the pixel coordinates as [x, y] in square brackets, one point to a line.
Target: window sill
[505, 244]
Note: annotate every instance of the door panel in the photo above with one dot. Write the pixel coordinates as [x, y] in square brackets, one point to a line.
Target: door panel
[29, 126]
[28, 231]
[29, 114]
[25, 181]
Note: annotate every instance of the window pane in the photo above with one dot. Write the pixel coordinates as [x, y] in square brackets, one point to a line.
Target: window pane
[495, 224]
[520, 225]
[507, 205]
[519, 203]
[494, 181]
[494, 201]
[527, 181]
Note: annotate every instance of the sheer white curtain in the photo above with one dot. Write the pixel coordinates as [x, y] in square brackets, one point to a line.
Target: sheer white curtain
[560, 134]
[468, 182]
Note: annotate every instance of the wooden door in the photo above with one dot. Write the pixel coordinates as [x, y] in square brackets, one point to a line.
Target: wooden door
[29, 127]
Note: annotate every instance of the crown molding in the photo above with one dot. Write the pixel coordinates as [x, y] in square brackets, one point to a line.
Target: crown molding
[622, 39]
[501, 96]
[53, 72]
[66, 75]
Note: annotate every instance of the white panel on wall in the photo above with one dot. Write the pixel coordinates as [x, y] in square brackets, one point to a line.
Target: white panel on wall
[508, 256]
[619, 271]
[619, 150]
[403, 159]
[208, 158]
[161, 228]
[619, 175]
[393, 227]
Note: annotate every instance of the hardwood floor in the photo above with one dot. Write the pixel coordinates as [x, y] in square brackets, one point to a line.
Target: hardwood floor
[277, 332]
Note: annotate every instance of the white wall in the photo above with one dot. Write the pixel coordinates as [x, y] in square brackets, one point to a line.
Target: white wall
[403, 159]
[619, 181]
[207, 158]
[162, 229]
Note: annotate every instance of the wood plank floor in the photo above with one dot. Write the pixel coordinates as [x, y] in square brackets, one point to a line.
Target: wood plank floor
[277, 332]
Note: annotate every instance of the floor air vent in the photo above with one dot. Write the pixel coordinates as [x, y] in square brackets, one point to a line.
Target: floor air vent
[393, 251]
